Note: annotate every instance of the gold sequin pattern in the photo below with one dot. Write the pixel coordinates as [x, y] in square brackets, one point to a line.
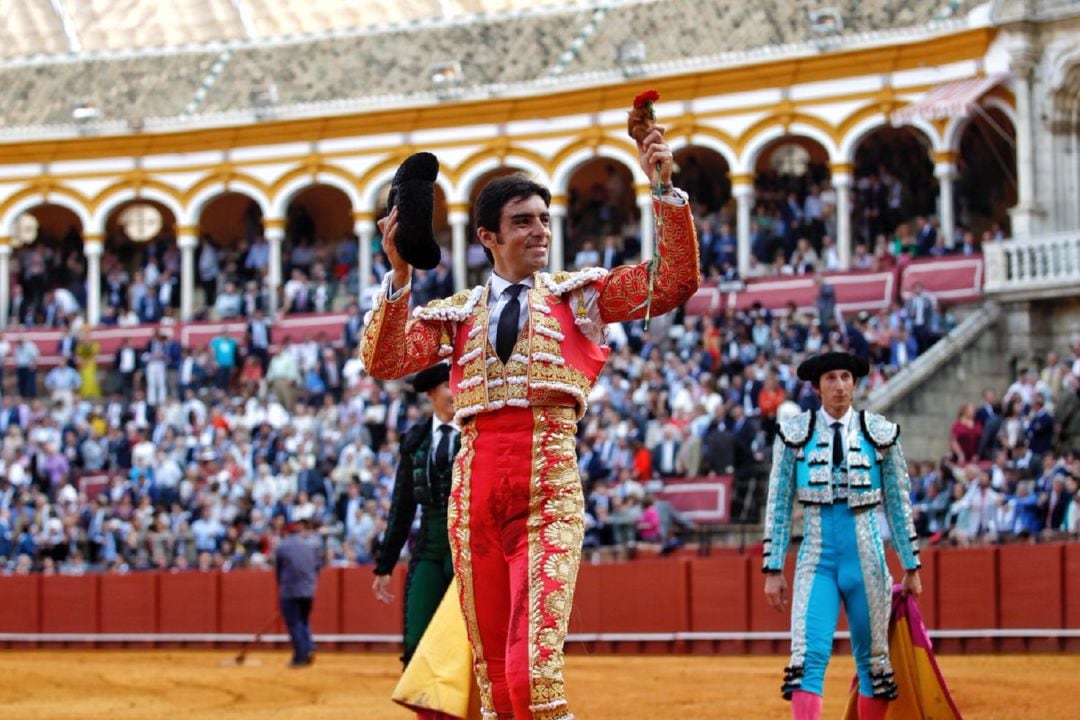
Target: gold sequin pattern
[556, 529]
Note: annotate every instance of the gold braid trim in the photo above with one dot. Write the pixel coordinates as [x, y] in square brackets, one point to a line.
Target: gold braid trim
[626, 288]
[393, 346]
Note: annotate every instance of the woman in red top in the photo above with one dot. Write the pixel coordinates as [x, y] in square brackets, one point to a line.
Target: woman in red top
[965, 435]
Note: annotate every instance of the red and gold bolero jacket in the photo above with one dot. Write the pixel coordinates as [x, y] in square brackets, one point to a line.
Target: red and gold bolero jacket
[555, 361]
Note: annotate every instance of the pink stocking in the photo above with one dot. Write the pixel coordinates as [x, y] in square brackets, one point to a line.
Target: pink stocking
[805, 706]
[872, 708]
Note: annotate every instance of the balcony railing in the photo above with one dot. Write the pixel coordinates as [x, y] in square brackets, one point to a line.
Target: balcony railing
[1047, 263]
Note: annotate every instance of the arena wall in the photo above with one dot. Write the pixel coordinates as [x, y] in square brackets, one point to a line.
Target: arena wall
[1010, 598]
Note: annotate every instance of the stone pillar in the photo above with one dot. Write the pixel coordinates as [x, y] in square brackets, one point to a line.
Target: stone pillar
[1029, 212]
[187, 240]
[945, 172]
[365, 232]
[648, 229]
[742, 187]
[841, 182]
[5, 281]
[93, 247]
[274, 229]
[557, 258]
[459, 244]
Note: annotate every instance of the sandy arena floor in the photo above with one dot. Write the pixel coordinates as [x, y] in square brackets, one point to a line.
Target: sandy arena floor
[193, 685]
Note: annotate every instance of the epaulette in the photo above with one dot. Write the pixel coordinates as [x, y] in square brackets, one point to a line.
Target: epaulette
[458, 307]
[881, 433]
[797, 431]
[564, 281]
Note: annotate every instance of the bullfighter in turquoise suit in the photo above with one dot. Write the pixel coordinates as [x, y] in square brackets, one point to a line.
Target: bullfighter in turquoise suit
[841, 464]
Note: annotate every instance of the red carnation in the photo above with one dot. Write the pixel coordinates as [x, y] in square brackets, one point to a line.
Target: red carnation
[646, 98]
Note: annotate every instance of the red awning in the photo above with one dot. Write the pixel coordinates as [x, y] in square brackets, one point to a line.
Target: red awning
[949, 100]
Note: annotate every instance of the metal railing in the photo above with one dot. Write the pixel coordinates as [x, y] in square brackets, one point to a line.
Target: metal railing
[1045, 262]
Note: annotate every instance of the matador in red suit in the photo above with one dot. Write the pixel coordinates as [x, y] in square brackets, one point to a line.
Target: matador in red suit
[525, 350]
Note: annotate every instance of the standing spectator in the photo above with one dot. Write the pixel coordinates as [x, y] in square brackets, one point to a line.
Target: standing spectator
[297, 564]
[666, 453]
[209, 269]
[86, 352]
[988, 409]
[1067, 414]
[354, 323]
[223, 348]
[926, 236]
[26, 359]
[154, 360]
[920, 311]
[1039, 431]
[127, 362]
[1055, 504]
[976, 511]
[828, 314]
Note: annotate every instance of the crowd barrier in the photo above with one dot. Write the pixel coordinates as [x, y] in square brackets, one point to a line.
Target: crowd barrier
[1011, 598]
[196, 335]
[950, 279]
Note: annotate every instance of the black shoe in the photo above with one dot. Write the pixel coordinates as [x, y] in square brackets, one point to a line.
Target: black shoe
[294, 663]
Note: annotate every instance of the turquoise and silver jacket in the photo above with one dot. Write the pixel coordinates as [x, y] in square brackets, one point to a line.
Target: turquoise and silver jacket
[875, 473]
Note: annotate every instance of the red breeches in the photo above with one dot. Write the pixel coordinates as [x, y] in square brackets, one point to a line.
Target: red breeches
[516, 523]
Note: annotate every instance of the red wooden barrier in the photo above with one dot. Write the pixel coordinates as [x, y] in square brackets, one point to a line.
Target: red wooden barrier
[188, 602]
[652, 596]
[1016, 586]
[719, 599]
[589, 597]
[362, 614]
[764, 618]
[129, 603]
[931, 582]
[69, 604]
[1032, 575]
[968, 594]
[326, 612]
[1071, 592]
[249, 602]
[20, 598]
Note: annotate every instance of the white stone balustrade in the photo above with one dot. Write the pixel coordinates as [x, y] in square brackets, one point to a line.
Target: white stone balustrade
[1033, 265]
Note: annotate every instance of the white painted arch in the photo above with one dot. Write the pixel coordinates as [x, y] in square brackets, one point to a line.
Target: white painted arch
[280, 204]
[119, 196]
[956, 127]
[463, 189]
[560, 181]
[710, 143]
[749, 156]
[197, 205]
[850, 142]
[369, 195]
[32, 201]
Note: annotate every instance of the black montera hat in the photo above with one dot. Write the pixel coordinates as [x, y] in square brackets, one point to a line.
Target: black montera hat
[812, 368]
[413, 192]
[431, 378]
